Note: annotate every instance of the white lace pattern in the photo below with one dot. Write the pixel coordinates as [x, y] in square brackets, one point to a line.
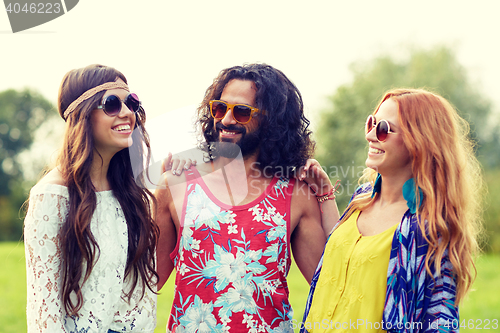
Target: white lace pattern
[104, 304]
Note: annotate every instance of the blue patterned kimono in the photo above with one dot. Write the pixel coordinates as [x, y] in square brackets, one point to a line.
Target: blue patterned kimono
[415, 301]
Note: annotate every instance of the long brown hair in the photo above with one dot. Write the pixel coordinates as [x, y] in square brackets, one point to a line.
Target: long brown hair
[446, 170]
[79, 247]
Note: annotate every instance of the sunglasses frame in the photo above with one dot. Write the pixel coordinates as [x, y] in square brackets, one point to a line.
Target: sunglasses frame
[375, 125]
[231, 106]
[122, 101]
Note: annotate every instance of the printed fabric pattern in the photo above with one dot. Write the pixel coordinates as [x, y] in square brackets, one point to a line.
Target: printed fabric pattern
[103, 307]
[232, 262]
[415, 301]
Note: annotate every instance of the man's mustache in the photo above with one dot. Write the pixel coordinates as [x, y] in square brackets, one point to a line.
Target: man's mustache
[231, 128]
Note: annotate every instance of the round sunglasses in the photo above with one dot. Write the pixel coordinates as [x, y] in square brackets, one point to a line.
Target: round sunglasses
[382, 128]
[112, 104]
[241, 113]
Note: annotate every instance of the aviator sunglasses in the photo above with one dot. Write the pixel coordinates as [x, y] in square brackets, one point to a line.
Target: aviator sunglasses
[241, 113]
[382, 128]
[112, 104]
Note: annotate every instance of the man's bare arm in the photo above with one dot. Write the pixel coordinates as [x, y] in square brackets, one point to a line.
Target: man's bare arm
[308, 238]
[168, 233]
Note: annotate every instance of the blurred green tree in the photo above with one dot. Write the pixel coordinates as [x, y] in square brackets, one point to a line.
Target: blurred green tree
[342, 148]
[21, 114]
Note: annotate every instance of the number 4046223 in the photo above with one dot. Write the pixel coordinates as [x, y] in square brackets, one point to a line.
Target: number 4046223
[34, 8]
[473, 324]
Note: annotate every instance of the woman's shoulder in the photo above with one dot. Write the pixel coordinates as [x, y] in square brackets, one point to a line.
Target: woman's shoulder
[362, 189]
[52, 183]
[53, 177]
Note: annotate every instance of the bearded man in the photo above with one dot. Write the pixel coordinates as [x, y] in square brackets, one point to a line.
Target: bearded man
[229, 226]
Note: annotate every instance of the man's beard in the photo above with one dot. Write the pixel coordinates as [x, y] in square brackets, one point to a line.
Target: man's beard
[247, 144]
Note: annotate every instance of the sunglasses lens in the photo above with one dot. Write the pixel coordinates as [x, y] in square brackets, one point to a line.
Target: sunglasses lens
[132, 102]
[112, 105]
[242, 113]
[382, 130]
[218, 109]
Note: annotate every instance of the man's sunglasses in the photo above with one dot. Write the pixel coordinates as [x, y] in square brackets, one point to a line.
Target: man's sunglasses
[382, 128]
[112, 104]
[241, 113]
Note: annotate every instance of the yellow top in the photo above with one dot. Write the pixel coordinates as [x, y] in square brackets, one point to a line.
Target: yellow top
[350, 293]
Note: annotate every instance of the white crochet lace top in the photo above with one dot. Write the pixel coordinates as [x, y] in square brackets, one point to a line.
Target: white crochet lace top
[104, 304]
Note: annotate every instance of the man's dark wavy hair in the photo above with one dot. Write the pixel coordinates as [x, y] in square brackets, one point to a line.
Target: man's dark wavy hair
[285, 138]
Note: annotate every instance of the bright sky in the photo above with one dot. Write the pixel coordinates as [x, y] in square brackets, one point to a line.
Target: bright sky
[170, 51]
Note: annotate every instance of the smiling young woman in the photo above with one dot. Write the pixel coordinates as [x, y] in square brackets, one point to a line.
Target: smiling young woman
[113, 133]
[89, 236]
[412, 226]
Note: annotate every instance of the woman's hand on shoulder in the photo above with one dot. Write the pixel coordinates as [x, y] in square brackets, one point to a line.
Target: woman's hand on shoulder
[177, 164]
[314, 175]
[319, 182]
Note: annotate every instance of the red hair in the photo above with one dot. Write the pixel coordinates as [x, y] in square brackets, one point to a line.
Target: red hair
[446, 170]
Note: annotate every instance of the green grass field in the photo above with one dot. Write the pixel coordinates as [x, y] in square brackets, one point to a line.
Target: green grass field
[481, 304]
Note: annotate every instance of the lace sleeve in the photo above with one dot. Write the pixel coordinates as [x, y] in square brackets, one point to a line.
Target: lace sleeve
[46, 213]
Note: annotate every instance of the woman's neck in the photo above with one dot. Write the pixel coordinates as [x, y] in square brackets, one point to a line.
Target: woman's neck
[99, 172]
[392, 189]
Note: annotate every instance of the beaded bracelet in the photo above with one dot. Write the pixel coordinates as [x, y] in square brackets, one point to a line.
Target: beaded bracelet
[330, 195]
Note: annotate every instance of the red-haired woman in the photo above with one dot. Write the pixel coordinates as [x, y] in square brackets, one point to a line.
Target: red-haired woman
[400, 259]
[89, 236]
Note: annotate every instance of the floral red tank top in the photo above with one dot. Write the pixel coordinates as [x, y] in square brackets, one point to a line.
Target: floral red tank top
[232, 261]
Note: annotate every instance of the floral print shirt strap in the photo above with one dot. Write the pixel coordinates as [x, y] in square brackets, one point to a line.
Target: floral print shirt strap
[232, 262]
[103, 307]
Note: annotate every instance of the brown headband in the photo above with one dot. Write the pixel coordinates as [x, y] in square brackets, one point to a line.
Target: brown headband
[91, 92]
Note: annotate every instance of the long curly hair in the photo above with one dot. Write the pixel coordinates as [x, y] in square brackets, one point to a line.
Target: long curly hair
[286, 141]
[79, 247]
[445, 168]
